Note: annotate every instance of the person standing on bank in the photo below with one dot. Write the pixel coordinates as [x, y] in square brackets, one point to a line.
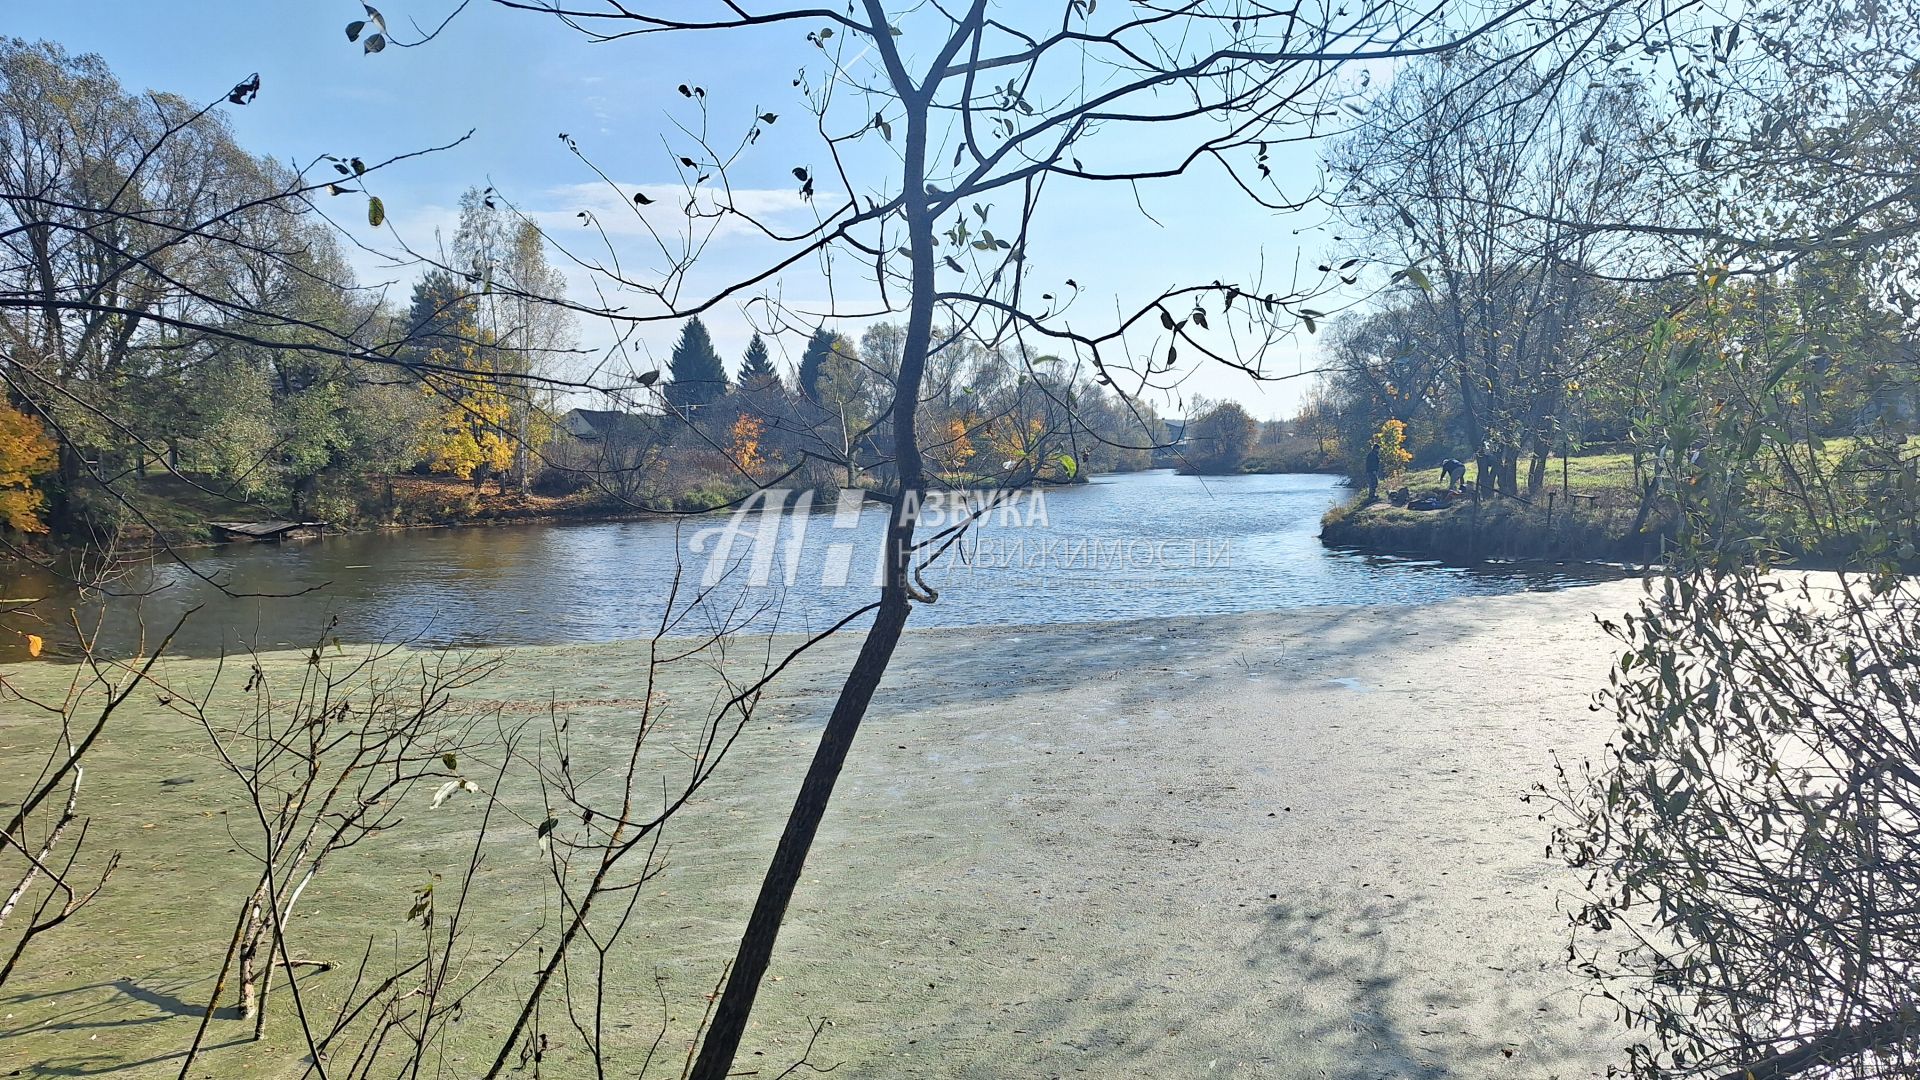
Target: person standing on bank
[1373, 471]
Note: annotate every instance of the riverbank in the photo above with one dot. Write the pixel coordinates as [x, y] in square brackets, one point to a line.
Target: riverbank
[168, 511]
[1597, 529]
[1585, 513]
[1276, 844]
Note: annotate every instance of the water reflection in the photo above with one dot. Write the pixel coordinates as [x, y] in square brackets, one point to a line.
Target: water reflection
[1121, 547]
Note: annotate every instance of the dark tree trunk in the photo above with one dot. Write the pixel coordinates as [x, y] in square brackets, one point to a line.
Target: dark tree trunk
[790, 856]
[1508, 477]
[722, 1041]
[1537, 468]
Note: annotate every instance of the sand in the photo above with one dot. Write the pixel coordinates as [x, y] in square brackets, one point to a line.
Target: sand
[1287, 844]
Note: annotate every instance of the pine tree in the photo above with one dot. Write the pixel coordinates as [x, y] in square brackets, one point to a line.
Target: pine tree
[813, 362]
[439, 306]
[696, 373]
[756, 370]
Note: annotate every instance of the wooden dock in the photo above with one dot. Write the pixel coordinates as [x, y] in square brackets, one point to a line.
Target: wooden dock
[267, 530]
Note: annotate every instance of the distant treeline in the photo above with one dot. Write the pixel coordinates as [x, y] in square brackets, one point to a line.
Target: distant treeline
[225, 353]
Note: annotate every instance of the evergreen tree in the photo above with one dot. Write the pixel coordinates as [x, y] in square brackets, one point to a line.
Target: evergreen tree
[697, 377]
[756, 370]
[813, 362]
[439, 306]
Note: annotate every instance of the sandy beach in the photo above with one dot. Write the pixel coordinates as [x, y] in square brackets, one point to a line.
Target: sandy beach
[1268, 845]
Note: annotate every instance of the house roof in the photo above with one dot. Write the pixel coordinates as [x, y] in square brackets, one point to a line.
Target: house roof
[589, 423]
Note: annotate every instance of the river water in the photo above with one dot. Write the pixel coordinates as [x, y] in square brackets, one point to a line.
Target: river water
[1144, 544]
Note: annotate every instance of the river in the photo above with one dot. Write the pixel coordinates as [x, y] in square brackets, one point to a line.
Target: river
[1121, 547]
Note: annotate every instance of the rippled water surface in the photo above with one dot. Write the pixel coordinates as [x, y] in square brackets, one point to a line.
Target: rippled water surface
[1120, 547]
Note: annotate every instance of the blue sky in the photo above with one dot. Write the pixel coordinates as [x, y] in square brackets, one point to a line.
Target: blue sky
[519, 79]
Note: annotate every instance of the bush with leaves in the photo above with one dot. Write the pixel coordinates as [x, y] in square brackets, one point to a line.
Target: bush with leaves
[1752, 839]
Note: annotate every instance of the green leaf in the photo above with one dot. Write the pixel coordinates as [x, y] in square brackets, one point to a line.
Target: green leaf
[1419, 278]
[1071, 467]
[376, 211]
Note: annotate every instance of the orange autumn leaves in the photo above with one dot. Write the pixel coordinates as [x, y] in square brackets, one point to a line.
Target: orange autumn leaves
[745, 448]
[25, 453]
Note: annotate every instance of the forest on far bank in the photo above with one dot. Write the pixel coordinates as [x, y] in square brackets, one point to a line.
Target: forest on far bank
[227, 374]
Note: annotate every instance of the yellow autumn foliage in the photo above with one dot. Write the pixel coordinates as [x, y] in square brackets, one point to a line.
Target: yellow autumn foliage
[25, 453]
[1392, 442]
[470, 429]
[956, 449]
[745, 450]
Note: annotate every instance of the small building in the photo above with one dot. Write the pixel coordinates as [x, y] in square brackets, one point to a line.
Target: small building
[607, 425]
[1173, 443]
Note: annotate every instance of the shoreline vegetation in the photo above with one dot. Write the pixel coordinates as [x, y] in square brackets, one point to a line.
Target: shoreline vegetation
[1590, 512]
[1495, 528]
[1605, 507]
[174, 511]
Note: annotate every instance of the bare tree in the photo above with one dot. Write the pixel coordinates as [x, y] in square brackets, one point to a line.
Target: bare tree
[978, 120]
[1485, 180]
[323, 768]
[975, 116]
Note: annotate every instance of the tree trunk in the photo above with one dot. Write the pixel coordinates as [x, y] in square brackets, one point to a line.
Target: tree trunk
[722, 1041]
[1508, 479]
[789, 858]
[1537, 469]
